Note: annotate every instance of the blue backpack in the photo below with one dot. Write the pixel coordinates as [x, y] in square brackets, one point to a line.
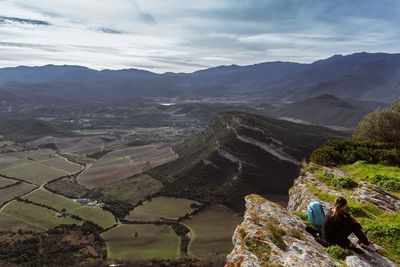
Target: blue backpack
[315, 213]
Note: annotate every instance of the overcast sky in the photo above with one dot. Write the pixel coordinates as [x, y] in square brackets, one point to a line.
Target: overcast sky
[184, 35]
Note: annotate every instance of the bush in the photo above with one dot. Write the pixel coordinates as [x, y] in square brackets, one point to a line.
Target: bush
[382, 125]
[386, 183]
[339, 152]
[343, 182]
[338, 252]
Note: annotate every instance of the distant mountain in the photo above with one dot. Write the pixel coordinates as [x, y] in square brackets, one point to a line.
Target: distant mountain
[27, 129]
[238, 154]
[326, 110]
[359, 77]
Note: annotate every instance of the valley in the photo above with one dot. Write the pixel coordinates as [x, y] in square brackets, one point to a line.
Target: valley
[182, 197]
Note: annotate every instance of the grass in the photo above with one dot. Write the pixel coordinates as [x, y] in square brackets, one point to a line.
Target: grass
[97, 215]
[142, 241]
[385, 231]
[55, 201]
[34, 172]
[6, 182]
[371, 172]
[211, 232]
[338, 252]
[37, 216]
[9, 193]
[8, 223]
[6, 143]
[162, 207]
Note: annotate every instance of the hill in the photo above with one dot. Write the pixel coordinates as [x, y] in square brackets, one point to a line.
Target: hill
[240, 153]
[27, 129]
[325, 110]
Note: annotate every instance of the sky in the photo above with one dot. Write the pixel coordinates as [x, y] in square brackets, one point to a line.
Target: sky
[184, 36]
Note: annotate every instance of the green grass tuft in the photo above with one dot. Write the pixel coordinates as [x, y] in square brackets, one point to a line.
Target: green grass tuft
[338, 252]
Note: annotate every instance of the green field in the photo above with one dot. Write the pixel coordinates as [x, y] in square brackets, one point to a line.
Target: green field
[34, 172]
[132, 189]
[162, 207]
[122, 163]
[37, 216]
[9, 193]
[362, 169]
[6, 182]
[8, 223]
[58, 202]
[97, 215]
[151, 241]
[62, 164]
[211, 232]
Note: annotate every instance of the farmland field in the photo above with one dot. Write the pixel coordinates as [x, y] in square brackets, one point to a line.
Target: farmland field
[55, 201]
[67, 187]
[34, 172]
[119, 164]
[62, 164]
[151, 241]
[95, 214]
[211, 232]
[161, 207]
[6, 182]
[9, 193]
[132, 190]
[8, 223]
[37, 216]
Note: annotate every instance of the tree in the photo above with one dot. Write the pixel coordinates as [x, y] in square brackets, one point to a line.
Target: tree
[382, 125]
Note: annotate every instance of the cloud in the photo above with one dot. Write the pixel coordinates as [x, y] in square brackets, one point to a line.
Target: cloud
[109, 30]
[179, 35]
[4, 20]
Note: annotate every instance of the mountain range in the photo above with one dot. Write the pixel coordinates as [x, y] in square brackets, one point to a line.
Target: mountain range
[356, 77]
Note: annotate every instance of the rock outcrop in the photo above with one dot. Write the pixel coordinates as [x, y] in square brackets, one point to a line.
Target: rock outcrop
[272, 235]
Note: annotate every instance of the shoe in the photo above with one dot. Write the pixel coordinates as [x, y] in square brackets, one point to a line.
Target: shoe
[370, 247]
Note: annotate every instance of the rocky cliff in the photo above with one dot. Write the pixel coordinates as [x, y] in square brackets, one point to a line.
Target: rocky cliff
[272, 235]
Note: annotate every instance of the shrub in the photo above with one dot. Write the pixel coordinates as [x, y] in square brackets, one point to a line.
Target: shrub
[382, 125]
[344, 182]
[339, 152]
[385, 182]
[338, 252]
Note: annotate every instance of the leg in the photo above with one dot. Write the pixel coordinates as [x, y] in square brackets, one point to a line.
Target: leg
[360, 235]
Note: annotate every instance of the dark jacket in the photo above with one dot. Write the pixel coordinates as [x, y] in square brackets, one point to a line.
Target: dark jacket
[334, 226]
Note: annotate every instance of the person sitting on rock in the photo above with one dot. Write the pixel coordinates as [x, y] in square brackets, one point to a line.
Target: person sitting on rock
[338, 225]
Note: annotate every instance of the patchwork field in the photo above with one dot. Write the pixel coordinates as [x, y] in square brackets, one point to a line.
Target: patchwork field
[162, 207]
[6, 182]
[34, 172]
[37, 216]
[142, 241]
[72, 145]
[132, 190]
[55, 201]
[211, 232]
[9, 193]
[62, 164]
[120, 164]
[67, 187]
[8, 223]
[95, 214]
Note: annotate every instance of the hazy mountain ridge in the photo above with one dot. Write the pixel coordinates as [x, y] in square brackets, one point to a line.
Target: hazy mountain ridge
[360, 76]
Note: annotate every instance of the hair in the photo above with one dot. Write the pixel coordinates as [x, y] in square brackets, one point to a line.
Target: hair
[340, 203]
